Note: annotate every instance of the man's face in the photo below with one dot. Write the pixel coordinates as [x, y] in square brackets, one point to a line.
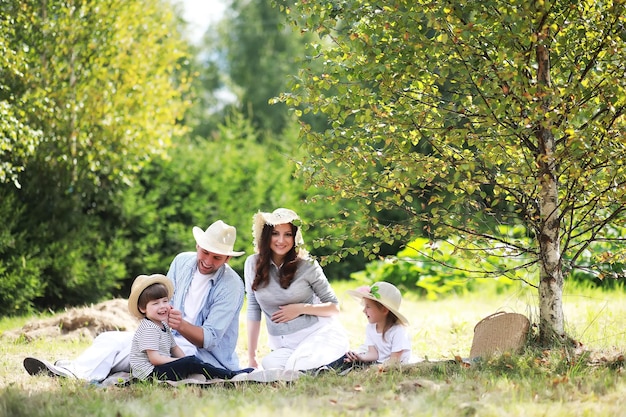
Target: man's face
[209, 262]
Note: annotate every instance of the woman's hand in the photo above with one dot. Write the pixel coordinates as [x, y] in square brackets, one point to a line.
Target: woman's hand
[252, 363]
[287, 312]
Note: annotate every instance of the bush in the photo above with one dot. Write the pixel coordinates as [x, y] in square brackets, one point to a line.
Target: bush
[20, 264]
[603, 264]
[228, 177]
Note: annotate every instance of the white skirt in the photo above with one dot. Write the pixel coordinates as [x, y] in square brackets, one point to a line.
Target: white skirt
[308, 348]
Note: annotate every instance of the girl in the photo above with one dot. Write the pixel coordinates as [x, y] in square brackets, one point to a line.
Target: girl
[386, 336]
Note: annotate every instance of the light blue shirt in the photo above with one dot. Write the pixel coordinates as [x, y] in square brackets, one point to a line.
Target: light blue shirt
[219, 315]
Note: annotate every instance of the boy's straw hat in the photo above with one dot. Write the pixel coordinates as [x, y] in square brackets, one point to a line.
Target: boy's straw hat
[141, 283]
[385, 293]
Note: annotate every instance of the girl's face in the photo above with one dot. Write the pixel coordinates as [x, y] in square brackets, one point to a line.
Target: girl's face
[281, 242]
[157, 310]
[375, 312]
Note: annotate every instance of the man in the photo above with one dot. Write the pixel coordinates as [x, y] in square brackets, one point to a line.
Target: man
[208, 296]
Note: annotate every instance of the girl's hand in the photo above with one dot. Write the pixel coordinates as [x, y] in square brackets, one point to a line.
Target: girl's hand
[352, 357]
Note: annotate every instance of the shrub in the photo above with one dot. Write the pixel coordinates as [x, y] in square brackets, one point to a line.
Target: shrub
[20, 265]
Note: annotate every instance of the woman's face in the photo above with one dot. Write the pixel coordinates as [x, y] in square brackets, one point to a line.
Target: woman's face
[282, 240]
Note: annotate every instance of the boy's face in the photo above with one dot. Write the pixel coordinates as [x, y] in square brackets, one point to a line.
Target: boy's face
[157, 310]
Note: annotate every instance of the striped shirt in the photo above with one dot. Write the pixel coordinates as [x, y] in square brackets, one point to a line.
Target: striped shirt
[149, 336]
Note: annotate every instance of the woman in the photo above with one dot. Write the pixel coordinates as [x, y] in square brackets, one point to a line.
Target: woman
[291, 290]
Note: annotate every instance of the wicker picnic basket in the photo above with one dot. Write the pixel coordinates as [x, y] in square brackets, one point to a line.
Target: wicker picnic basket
[499, 332]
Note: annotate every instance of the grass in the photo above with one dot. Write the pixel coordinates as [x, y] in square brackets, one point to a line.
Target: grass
[555, 382]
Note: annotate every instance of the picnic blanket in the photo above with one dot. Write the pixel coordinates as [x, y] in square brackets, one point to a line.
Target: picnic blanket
[257, 376]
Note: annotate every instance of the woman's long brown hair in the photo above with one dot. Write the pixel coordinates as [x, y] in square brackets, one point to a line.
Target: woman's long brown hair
[288, 269]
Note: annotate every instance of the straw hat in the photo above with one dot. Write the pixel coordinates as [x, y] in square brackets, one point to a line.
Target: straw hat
[385, 293]
[141, 283]
[217, 238]
[278, 216]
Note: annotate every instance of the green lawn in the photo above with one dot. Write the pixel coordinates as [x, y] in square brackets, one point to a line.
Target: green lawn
[554, 383]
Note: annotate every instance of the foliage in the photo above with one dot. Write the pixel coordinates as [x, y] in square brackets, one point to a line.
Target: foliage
[95, 90]
[469, 115]
[229, 177]
[435, 268]
[431, 270]
[258, 52]
[206, 106]
[18, 139]
[111, 97]
[20, 263]
[599, 264]
[204, 180]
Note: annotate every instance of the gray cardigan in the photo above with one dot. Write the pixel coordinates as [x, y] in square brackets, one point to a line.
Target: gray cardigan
[309, 286]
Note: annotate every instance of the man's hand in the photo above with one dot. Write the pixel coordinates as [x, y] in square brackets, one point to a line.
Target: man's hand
[175, 319]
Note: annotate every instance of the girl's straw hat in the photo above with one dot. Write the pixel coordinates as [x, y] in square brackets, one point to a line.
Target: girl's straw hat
[278, 216]
[141, 283]
[385, 293]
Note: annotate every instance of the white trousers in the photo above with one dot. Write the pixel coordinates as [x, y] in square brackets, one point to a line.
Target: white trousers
[109, 353]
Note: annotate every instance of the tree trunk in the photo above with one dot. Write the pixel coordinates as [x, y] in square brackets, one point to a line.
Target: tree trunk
[551, 327]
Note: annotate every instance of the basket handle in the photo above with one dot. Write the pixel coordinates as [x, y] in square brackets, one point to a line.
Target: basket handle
[497, 313]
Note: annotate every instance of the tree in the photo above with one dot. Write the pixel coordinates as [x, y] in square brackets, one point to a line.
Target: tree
[470, 116]
[110, 80]
[18, 140]
[229, 177]
[258, 52]
[96, 90]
